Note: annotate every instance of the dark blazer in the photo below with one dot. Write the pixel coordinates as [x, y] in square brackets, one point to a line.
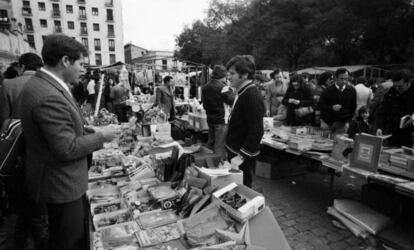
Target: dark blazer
[164, 99]
[9, 106]
[56, 143]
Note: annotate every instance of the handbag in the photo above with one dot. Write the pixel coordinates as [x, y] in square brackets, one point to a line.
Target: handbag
[304, 111]
[12, 147]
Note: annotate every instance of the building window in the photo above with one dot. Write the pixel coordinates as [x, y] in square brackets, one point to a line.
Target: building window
[71, 25]
[26, 4]
[97, 43]
[29, 24]
[84, 29]
[69, 9]
[43, 23]
[56, 10]
[109, 15]
[96, 27]
[30, 39]
[95, 11]
[42, 6]
[164, 64]
[98, 59]
[43, 38]
[82, 12]
[111, 43]
[58, 26]
[111, 31]
[112, 59]
[85, 42]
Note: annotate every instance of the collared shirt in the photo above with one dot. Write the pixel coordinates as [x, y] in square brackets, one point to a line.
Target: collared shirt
[62, 83]
[339, 88]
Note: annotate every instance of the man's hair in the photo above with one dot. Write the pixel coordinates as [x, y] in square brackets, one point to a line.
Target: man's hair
[340, 71]
[401, 74]
[57, 46]
[167, 79]
[31, 61]
[243, 64]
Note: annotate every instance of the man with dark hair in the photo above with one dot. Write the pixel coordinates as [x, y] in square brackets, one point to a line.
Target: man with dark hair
[57, 143]
[11, 89]
[245, 129]
[397, 102]
[164, 97]
[215, 96]
[338, 103]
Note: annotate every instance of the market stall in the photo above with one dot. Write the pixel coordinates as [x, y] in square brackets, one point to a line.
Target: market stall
[147, 191]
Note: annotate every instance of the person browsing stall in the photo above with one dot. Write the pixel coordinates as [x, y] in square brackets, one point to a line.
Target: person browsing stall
[245, 129]
[164, 97]
[57, 142]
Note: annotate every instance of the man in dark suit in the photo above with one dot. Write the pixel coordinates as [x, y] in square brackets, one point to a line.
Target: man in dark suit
[11, 89]
[57, 143]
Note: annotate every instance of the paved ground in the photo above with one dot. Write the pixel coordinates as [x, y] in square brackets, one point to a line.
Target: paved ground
[299, 204]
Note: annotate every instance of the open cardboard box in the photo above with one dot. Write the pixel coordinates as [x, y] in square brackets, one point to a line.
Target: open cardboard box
[255, 202]
[221, 181]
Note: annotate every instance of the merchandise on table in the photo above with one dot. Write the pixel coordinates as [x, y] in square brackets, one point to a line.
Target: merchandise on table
[156, 219]
[108, 219]
[150, 237]
[106, 207]
[121, 236]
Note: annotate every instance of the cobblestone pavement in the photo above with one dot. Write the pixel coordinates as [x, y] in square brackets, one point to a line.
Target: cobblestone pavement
[299, 204]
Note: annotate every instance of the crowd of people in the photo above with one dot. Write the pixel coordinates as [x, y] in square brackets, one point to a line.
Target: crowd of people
[343, 104]
[49, 192]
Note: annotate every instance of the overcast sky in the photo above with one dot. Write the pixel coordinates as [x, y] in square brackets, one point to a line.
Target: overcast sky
[154, 24]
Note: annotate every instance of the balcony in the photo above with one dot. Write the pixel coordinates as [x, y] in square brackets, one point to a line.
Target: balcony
[111, 48]
[84, 31]
[56, 14]
[110, 19]
[27, 11]
[28, 29]
[58, 29]
[81, 1]
[97, 48]
[55, 0]
[82, 17]
[111, 34]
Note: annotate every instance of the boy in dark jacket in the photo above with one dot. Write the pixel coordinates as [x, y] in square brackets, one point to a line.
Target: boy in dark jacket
[246, 119]
[215, 95]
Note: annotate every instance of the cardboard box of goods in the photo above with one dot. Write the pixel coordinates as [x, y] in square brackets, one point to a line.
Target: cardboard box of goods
[217, 181]
[255, 202]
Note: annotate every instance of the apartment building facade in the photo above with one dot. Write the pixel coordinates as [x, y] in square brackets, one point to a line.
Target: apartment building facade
[95, 23]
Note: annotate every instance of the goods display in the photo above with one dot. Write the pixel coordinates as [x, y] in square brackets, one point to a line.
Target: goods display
[132, 208]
